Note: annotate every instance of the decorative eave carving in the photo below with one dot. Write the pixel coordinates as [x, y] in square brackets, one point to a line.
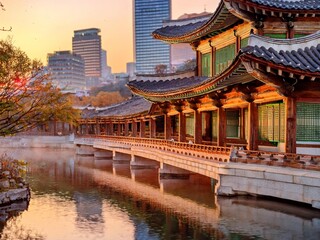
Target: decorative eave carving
[179, 104]
[165, 107]
[194, 103]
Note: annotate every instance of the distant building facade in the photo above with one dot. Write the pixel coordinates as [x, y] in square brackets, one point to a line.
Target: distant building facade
[67, 70]
[87, 43]
[181, 52]
[147, 17]
[131, 69]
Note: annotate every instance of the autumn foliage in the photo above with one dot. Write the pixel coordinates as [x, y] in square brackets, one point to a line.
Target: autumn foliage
[27, 97]
[102, 99]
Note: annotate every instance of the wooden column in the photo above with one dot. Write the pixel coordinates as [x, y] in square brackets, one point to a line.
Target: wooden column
[97, 127]
[167, 126]
[182, 127]
[142, 128]
[253, 126]
[222, 127]
[126, 128]
[111, 128]
[153, 128]
[291, 125]
[197, 127]
[134, 128]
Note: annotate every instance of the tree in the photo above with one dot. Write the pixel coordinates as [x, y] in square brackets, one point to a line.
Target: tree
[160, 68]
[27, 97]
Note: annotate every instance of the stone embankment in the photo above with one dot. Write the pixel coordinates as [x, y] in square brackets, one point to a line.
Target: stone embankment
[13, 187]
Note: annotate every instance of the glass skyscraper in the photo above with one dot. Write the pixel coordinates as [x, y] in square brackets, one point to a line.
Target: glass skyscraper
[87, 43]
[148, 15]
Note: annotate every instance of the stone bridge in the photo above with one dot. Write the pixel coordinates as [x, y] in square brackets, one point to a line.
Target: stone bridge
[234, 177]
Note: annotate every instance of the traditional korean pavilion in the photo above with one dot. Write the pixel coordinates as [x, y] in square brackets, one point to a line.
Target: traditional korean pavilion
[256, 85]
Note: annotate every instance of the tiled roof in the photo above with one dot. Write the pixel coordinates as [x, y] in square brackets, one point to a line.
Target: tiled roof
[179, 30]
[168, 85]
[290, 4]
[134, 106]
[219, 21]
[302, 53]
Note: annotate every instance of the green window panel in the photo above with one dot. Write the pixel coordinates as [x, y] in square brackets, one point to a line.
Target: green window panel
[214, 125]
[272, 122]
[276, 35]
[298, 35]
[205, 62]
[244, 42]
[233, 123]
[190, 124]
[224, 57]
[308, 122]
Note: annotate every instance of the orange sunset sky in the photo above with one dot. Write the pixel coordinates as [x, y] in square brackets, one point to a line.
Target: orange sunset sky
[40, 27]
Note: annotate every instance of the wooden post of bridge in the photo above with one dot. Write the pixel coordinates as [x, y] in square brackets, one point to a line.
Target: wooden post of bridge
[291, 125]
[134, 128]
[126, 128]
[253, 126]
[222, 127]
[153, 128]
[197, 127]
[142, 128]
[182, 127]
[167, 126]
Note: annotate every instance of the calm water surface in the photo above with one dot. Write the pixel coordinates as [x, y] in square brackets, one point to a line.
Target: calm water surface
[82, 198]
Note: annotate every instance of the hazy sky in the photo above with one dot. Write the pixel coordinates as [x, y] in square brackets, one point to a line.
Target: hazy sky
[40, 27]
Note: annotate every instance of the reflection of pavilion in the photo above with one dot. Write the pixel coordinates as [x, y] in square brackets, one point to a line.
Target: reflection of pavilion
[229, 215]
[89, 210]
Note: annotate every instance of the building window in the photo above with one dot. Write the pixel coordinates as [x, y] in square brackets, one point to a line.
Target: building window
[190, 124]
[272, 122]
[308, 122]
[224, 57]
[233, 123]
[205, 62]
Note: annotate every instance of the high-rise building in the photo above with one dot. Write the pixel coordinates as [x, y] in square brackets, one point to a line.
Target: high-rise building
[87, 43]
[67, 70]
[147, 17]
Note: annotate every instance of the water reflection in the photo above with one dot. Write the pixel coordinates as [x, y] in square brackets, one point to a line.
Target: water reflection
[83, 198]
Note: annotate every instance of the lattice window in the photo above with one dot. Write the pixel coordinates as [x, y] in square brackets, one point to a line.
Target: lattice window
[206, 63]
[190, 124]
[233, 123]
[308, 122]
[224, 57]
[272, 122]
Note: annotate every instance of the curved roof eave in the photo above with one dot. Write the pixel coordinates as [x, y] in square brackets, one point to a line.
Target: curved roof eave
[221, 20]
[247, 9]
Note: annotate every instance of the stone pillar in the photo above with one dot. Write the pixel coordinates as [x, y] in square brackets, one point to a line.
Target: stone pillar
[169, 172]
[197, 127]
[291, 125]
[182, 127]
[221, 127]
[167, 127]
[97, 127]
[253, 126]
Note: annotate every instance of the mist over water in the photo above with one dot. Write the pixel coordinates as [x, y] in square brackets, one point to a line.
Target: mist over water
[82, 198]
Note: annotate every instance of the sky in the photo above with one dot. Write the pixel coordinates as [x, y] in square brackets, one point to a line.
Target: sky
[40, 27]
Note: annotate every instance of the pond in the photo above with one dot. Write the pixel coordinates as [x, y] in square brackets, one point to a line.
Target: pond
[79, 198]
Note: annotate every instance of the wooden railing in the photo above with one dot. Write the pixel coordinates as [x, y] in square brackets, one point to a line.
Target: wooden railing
[209, 152]
[301, 161]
